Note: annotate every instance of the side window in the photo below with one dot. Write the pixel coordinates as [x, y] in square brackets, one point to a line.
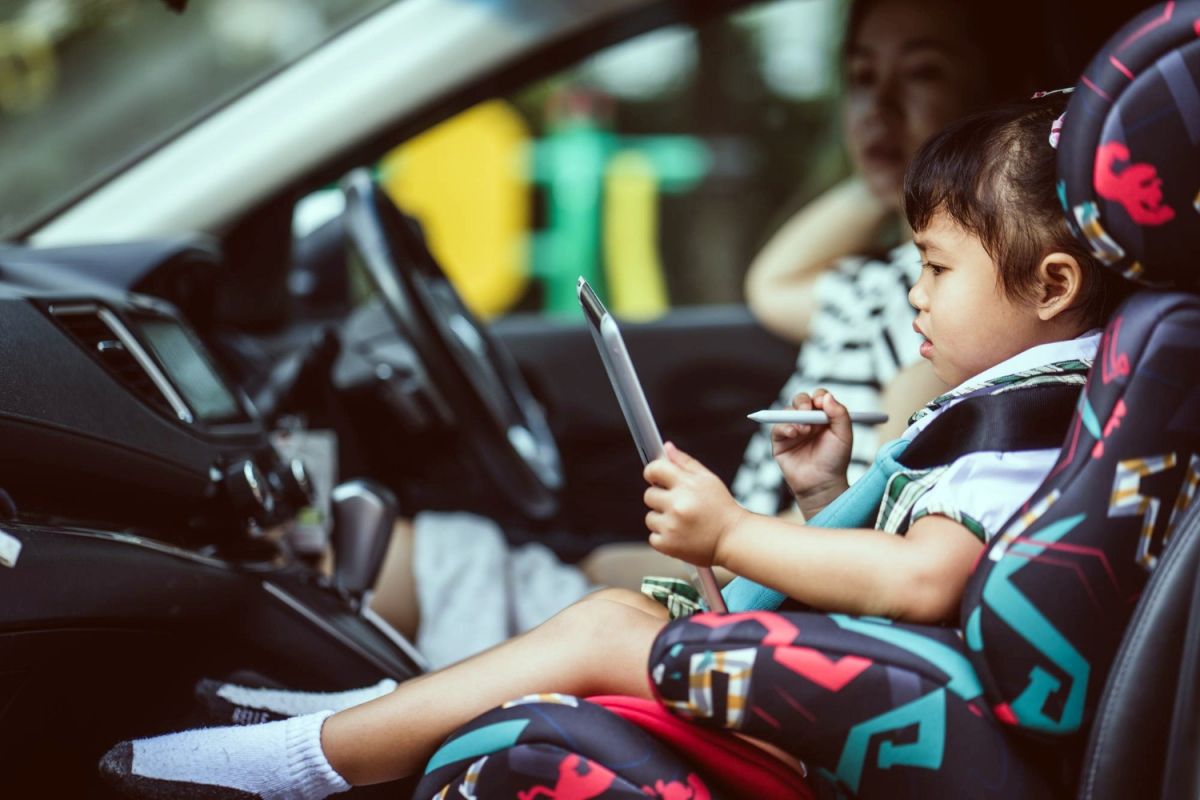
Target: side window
[656, 168]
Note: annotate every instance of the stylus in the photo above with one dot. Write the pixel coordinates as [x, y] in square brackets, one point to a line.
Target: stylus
[784, 415]
[710, 590]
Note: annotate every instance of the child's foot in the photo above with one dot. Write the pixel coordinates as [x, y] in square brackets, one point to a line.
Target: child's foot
[229, 703]
[276, 761]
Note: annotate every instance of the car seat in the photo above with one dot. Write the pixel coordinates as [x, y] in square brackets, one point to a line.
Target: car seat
[1075, 618]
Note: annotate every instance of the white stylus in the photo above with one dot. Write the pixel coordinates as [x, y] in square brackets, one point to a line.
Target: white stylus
[785, 415]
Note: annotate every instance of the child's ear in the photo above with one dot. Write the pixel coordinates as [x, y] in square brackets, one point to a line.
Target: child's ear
[1060, 280]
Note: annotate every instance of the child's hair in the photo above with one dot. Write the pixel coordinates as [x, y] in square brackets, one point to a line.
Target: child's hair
[994, 174]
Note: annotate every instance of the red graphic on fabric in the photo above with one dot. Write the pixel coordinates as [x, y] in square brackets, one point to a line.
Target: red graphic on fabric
[573, 785]
[694, 789]
[1137, 187]
[779, 631]
[765, 717]
[1095, 88]
[1113, 423]
[820, 669]
[1068, 453]
[797, 707]
[1123, 69]
[1113, 365]
[1005, 714]
[1080, 576]
[1161, 19]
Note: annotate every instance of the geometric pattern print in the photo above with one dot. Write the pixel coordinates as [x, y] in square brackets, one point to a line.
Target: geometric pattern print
[1185, 498]
[736, 666]
[1021, 524]
[561, 699]
[927, 714]
[1102, 246]
[471, 779]
[1128, 501]
[876, 708]
[1004, 599]
[557, 749]
[1046, 609]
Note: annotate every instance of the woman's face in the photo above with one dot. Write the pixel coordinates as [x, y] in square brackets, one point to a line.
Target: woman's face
[910, 71]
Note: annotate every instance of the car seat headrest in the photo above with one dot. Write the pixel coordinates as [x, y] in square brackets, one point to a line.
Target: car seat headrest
[1129, 174]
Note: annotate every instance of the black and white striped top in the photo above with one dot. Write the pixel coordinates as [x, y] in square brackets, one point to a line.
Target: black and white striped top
[861, 336]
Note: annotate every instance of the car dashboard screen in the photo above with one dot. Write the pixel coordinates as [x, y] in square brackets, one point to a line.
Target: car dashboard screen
[190, 371]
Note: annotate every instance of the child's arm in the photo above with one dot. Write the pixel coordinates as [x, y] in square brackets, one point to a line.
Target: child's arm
[814, 458]
[918, 577]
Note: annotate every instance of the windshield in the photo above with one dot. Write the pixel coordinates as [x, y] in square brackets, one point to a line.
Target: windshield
[86, 86]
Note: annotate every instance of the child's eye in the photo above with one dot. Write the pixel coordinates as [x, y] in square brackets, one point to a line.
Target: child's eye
[936, 269]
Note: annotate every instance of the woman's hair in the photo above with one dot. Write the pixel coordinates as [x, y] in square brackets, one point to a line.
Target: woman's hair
[994, 174]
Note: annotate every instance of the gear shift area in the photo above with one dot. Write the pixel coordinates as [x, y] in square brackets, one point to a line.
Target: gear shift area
[364, 513]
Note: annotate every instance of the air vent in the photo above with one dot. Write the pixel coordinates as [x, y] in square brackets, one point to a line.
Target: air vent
[101, 333]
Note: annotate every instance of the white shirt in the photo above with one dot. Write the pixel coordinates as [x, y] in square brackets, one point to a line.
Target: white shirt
[987, 487]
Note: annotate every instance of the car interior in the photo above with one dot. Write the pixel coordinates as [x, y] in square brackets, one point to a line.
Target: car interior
[152, 382]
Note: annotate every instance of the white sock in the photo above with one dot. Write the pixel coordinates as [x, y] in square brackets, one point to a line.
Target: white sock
[280, 760]
[292, 703]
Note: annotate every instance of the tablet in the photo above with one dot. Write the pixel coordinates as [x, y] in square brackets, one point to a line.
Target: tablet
[633, 404]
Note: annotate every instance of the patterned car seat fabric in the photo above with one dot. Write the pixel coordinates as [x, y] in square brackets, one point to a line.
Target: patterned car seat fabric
[1001, 707]
[1047, 607]
[565, 748]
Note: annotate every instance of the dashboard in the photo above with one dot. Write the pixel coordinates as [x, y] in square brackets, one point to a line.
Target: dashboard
[114, 414]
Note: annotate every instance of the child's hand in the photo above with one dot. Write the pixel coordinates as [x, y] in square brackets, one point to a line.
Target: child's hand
[814, 457]
[690, 508]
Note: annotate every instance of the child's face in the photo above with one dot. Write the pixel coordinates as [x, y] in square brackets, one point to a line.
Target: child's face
[968, 323]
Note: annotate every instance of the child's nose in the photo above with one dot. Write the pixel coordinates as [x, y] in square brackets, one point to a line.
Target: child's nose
[916, 295]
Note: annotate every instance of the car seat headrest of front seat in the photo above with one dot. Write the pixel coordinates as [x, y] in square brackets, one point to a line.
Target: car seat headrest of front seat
[1128, 167]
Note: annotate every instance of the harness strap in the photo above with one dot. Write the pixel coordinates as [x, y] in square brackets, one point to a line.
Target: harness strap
[1028, 418]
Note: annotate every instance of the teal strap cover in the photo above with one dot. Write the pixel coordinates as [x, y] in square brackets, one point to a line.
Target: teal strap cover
[854, 508]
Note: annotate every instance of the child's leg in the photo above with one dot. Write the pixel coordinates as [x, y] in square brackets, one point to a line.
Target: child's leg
[600, 645]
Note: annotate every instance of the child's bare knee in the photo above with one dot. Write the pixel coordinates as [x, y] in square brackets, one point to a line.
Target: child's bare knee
[597, 616]
[630, 598]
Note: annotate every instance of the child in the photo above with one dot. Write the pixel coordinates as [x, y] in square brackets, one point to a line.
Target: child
[1006, 295]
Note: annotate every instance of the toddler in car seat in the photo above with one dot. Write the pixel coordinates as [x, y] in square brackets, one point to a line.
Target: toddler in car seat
[1007, 298]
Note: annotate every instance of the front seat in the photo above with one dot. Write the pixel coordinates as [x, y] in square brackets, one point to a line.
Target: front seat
[1075, 622]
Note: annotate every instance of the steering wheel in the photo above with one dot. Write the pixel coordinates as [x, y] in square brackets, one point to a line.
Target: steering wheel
[477, 378]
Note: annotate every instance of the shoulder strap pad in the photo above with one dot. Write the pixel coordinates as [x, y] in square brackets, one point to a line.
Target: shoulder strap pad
[1030, 418]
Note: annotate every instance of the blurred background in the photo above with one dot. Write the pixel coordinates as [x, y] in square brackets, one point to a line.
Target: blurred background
[657, 168]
